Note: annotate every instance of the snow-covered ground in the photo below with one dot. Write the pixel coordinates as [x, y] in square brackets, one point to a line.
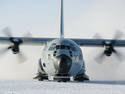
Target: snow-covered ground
[36, 87]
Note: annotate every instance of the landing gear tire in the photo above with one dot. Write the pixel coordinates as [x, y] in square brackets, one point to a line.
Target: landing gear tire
[62, 79]
[81, 78]
[41, 77]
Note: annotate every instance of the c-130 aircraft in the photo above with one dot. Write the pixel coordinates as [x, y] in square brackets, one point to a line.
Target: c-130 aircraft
[62, 58]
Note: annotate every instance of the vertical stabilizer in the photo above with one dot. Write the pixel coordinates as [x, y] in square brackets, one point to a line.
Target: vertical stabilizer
[61, 20]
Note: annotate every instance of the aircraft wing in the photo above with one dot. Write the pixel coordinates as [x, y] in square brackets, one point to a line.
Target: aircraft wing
[25, 40]
[81, 42]
[99, 42]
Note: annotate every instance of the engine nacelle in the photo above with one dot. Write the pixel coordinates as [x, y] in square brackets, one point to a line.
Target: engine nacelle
[15, 47]
[108, 52]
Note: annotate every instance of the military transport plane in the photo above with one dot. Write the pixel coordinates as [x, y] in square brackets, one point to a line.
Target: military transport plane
[61, 58]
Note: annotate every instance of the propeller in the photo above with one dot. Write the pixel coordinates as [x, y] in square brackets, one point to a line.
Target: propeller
[15, 44]
[21, 57]
[3, 51]
[109, 48]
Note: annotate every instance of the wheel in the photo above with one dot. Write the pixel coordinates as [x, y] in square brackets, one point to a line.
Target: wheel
[81, 78]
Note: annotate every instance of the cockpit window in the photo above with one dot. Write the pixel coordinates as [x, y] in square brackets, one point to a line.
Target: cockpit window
[52, 47]
[62, 47]
[57, 46]
[68, 47]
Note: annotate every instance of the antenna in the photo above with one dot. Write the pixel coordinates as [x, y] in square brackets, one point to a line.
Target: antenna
[61, 20]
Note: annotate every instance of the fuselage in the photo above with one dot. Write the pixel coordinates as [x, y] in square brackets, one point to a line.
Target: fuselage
[62, 57]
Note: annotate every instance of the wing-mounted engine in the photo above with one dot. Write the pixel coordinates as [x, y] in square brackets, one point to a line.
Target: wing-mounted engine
[109, 47]
[15, 45]
[15, 42]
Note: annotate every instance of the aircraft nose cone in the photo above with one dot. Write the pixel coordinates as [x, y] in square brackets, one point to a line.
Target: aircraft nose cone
[64, 65]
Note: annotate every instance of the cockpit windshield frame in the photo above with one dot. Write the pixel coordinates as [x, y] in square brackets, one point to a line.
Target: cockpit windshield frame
[62, 47]
[57, 47]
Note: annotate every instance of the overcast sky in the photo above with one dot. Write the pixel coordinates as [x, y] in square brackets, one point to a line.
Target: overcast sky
[82, 19]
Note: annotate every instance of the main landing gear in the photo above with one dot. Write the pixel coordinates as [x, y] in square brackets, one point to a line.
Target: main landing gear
[78, 78]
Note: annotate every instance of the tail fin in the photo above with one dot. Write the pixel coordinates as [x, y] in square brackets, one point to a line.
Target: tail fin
[61, 20]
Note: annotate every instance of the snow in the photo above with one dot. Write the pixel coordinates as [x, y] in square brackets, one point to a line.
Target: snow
[37, 87]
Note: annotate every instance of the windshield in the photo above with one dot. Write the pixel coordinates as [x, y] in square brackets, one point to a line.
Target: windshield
[52, 47]
[57, 47]
[62, 47]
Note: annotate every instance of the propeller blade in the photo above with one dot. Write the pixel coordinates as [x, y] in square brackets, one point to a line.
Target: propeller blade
[3, 51]
[118, 34]
[119, 55]
[97, 36]
[7, 32]
[100, 58]
[21, 57]
[28, 34]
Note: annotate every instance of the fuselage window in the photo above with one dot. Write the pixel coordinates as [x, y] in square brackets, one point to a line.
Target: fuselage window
[70, 52]
[54, 54]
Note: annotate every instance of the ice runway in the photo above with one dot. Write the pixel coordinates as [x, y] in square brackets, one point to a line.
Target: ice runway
[36, 87]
